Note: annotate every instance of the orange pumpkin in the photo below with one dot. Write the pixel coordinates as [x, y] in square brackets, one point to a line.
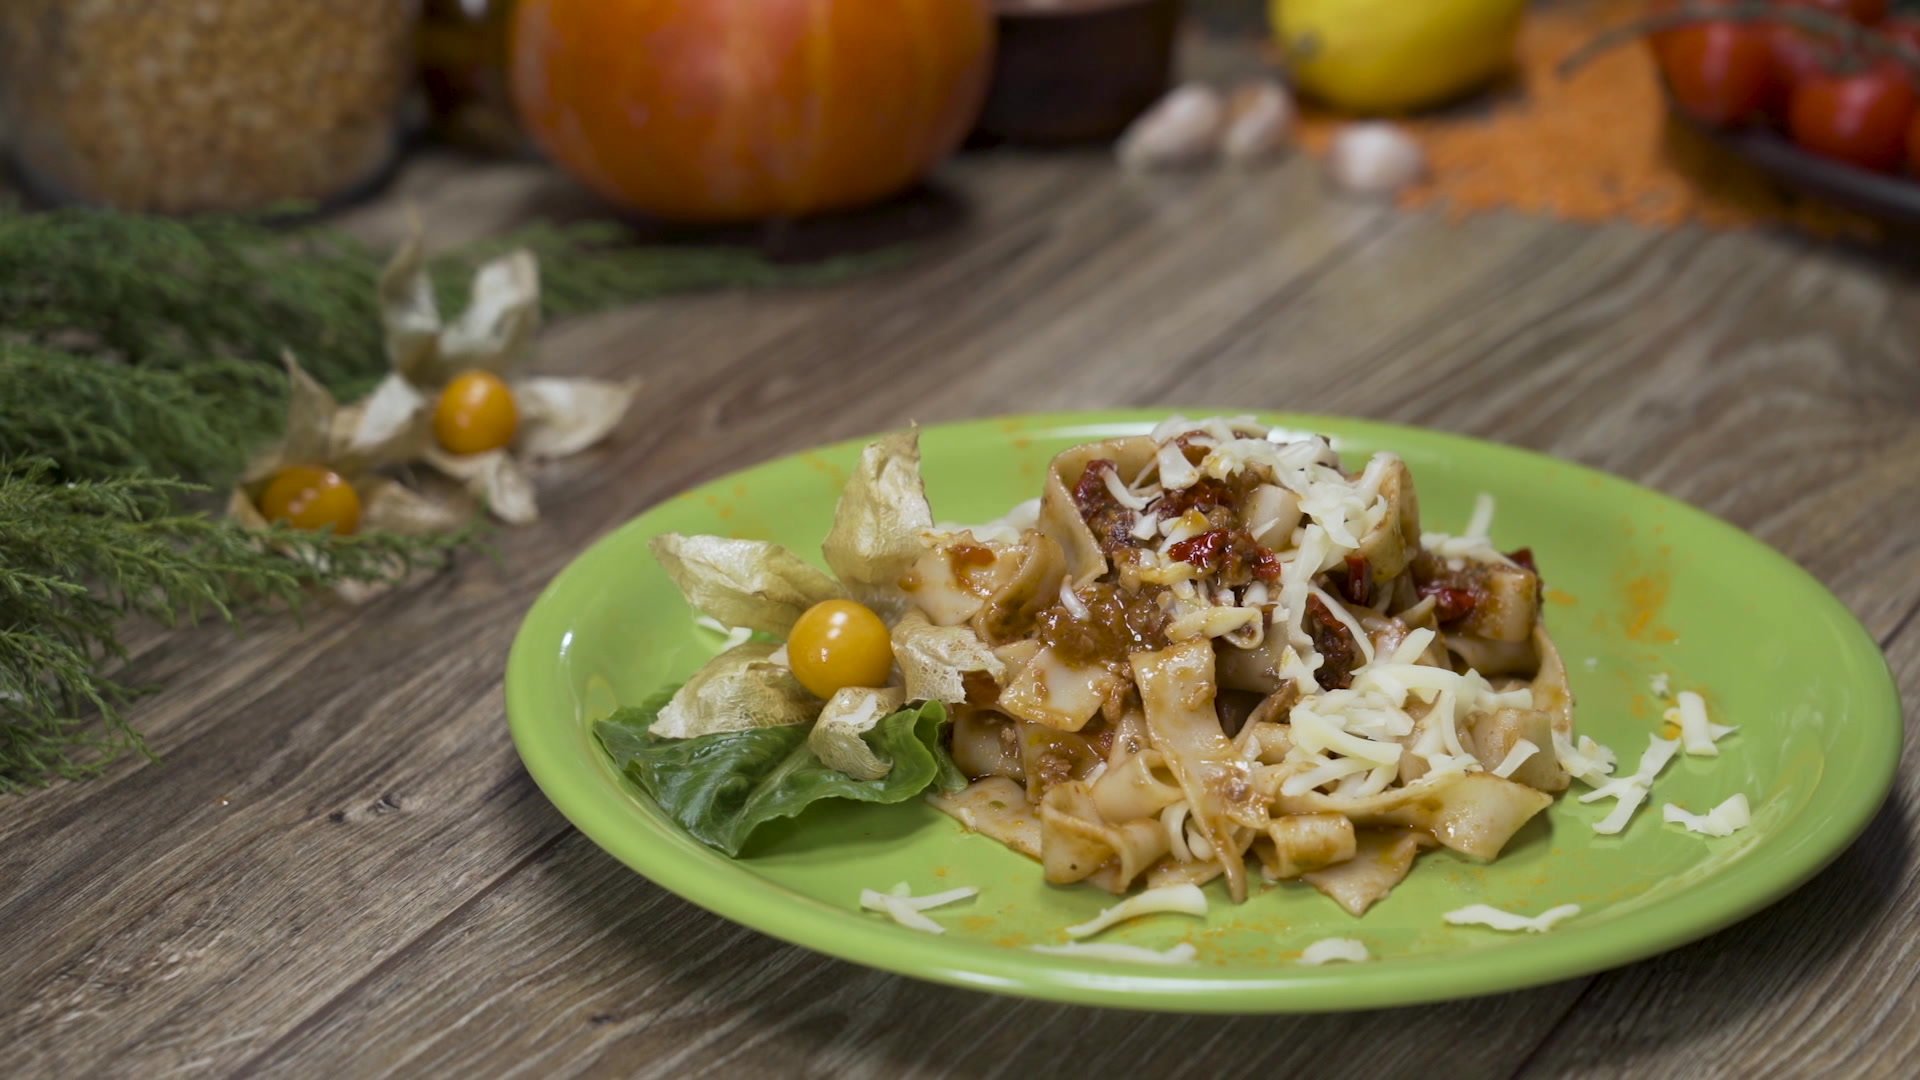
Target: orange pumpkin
[733, 110]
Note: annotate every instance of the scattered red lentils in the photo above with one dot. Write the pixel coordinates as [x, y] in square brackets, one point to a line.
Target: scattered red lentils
[1592, 148]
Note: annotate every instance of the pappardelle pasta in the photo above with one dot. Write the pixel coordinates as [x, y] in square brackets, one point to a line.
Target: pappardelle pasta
[1206, 652]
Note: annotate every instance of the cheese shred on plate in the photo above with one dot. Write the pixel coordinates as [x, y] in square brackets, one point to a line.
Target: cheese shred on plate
[1698, 733]
[1170, 899]
[1723, 820]
[1327, 950]
[900, 905]
[1182, 953]
[1487, 915]
[1631, 791]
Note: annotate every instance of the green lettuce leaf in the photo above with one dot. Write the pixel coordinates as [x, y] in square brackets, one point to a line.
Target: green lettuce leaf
[721, 787]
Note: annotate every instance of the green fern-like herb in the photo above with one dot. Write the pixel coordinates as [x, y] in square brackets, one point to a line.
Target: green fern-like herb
[79, 557]
[139, 366]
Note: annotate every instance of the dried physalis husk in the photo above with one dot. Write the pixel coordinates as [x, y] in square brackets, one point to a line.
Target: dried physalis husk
[551, 416]
[850, 713]
[739, 690]
[495, 332]
[494, 478]
[750, 583]
[561, 417]
[410, 316]
[1182, 129]
[936, 660]
[1259, 120]
[348, 443]
[880, 522]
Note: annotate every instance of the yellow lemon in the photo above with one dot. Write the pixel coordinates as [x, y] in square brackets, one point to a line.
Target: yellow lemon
[1391, 56]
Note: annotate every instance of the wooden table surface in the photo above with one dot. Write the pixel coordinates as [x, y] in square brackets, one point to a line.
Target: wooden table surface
[342, 870]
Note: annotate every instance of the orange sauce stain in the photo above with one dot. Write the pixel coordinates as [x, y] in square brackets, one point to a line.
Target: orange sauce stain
[940, 871]
[1022, 442]
[976, 923]
[712, 500]
[740, 491]
[822, 465]
[1669, 730]
[724, 512]
[1646, 599]
[1564, 599]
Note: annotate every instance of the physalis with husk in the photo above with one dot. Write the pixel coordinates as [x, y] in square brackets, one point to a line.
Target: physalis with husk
[486, 420]
[325, 473]
[855, 651]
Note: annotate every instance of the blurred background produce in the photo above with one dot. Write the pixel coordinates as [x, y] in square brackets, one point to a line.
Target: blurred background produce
[1073, 71]
[463, 74]
[1386, 56]
[732, 110]
[195, 107]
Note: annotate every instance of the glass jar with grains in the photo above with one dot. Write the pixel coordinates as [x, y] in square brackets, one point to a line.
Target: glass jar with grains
[189, 106]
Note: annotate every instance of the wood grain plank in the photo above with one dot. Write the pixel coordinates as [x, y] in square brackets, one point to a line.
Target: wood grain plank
[581, 968]
[342, 870]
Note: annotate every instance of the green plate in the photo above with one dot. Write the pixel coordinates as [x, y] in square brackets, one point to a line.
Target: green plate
[1638, 584]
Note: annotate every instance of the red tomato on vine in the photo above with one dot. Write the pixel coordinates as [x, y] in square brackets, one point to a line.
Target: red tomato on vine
[1864, 12]
[1718, 72]
[1861, 118]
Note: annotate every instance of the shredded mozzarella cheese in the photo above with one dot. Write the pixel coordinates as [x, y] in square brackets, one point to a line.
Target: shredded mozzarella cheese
[1176, 471]
[1490, 916]
[1631, 791]
[904, 908]
[1181, 954]
[1071, 601]
[1326, 771]
[735, 635]
[1168, 900]
[1662, 685]
[1723, 820]
[1589, 762]
[1516, 757]
[1327, 950]
[1697, 731]
[1118, 489]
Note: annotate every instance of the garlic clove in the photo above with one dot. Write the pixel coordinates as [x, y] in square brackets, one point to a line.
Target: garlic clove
[1182, 129]
[1375, 158]
[560, 417]
[1260, 117]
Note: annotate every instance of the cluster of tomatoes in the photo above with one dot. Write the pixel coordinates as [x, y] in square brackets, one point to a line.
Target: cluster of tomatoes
[1839, 90]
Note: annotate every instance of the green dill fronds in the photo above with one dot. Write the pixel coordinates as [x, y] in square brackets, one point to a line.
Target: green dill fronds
[94, 416]
[79, 557]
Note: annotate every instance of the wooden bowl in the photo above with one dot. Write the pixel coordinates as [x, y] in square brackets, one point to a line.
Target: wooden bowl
[1072, 71]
